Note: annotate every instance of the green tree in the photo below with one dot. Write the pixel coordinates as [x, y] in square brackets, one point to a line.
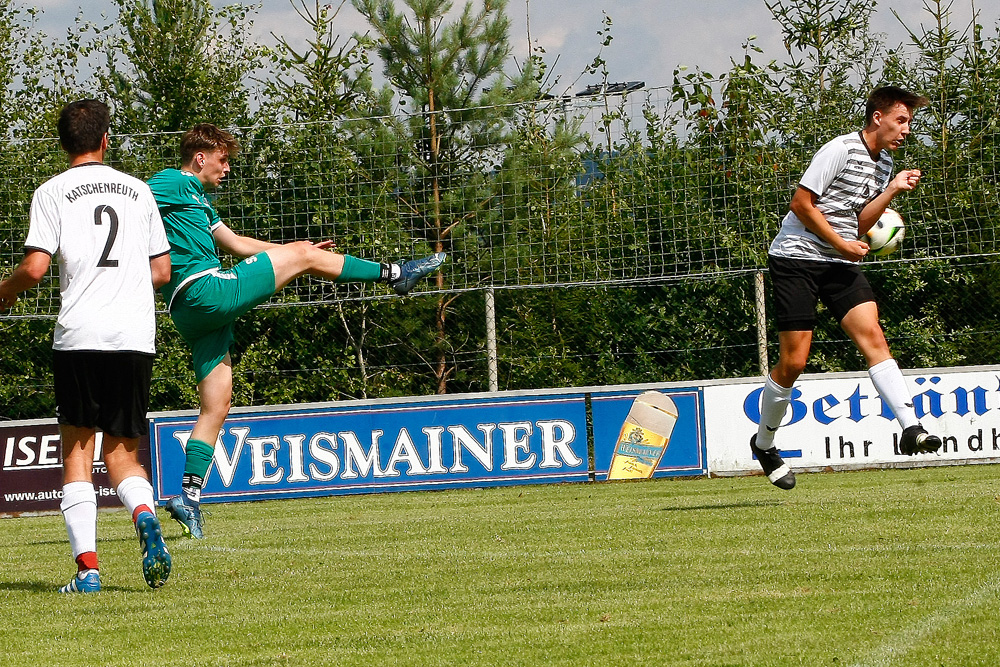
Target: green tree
[452, 74]
[831, 53]
[315, 144]
[328, 80]
[172, 63]
[953, 211]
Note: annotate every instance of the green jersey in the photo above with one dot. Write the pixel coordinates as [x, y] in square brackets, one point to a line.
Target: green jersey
[189, 220]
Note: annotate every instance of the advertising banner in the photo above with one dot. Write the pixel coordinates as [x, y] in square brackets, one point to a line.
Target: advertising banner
[838, 420]
[641, 434]
[31, 476]
[384, 446]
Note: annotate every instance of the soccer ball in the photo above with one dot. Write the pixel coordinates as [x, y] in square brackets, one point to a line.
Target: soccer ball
[886, 235]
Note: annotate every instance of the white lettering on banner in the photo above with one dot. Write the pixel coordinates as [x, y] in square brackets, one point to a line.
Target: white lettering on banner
[264, 452]
[512, 444]
[405, 452]
[435, 450]
[48, 453]
[465, 440]
[297, 474]
[24, 446]
[55, 494]
[227, 466]
[32, 451]
[275, 459]
[557, 436]
[323, 455]
[354, 452]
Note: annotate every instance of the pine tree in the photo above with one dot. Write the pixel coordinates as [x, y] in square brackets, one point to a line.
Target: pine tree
[451, 72]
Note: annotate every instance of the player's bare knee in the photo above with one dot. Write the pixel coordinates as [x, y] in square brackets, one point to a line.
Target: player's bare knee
[871, 341]
[307, 256]
[216, 409]
[296, 252]
[788, 370]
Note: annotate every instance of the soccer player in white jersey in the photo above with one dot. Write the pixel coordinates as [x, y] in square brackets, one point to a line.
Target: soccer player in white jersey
[815, 255]
[105, 231]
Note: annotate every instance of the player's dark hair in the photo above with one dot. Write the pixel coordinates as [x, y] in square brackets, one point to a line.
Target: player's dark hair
[884, 98]
[205, 137]
[82, 125]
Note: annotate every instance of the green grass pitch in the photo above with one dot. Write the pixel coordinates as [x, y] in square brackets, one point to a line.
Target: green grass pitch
[894, 567]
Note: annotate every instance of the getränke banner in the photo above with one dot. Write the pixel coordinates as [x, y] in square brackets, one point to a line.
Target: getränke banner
[838, 420]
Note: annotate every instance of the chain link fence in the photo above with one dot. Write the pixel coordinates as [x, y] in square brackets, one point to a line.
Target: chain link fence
[602, 241]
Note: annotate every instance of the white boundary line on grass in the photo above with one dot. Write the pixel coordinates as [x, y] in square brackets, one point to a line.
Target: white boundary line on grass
[892, 651]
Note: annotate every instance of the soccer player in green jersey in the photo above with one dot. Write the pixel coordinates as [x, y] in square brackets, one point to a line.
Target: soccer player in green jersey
[204, 299]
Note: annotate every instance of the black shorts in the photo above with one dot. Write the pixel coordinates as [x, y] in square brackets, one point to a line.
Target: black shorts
[799, 283]
[104, 390]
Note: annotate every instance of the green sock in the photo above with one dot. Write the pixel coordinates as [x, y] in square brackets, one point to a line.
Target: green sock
[197, 458]
[361, 270]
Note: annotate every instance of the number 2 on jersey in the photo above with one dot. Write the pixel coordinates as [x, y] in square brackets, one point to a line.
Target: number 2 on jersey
[112, 233]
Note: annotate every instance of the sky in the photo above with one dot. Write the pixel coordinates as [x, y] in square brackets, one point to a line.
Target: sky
[651, 37]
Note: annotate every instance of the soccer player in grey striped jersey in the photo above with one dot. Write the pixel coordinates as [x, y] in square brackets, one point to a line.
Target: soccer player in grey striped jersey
[815, 256]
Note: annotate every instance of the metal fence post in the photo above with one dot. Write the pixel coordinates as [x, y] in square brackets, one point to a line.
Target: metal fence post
[758, 280]
[491, 340]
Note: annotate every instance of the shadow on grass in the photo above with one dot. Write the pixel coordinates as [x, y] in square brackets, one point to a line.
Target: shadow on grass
[725, 506]
[49, 587]
[39, 543]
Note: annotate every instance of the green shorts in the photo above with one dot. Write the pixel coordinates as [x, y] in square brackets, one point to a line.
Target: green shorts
[204, 313]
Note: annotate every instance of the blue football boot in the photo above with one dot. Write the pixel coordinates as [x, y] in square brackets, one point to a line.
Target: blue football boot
[88, 583]
[188, 514]
[155, 557]
[414, 270]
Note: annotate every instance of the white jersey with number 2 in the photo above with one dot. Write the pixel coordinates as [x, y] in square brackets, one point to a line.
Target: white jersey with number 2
[103, 227]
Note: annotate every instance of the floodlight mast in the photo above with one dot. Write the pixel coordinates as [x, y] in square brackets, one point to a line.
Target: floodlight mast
[598, 89]
[606, 88]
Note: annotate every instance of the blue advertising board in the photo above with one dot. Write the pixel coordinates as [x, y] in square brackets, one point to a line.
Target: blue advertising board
[383, 446]
[685, 453]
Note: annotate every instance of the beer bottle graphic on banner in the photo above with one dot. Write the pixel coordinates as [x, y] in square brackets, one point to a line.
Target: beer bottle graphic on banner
[644, 437]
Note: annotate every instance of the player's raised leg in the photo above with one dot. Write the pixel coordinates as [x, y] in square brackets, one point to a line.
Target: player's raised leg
[861, 324]
[292, 260]
[410, 272]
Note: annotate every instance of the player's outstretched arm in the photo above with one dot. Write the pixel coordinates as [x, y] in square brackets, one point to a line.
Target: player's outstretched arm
[28, 273]
[236, 244]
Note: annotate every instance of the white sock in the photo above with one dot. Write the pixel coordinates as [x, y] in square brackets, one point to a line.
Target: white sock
[773, 402]
[79, 509]
[891, 386]
[193, 493]
[134, 492]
